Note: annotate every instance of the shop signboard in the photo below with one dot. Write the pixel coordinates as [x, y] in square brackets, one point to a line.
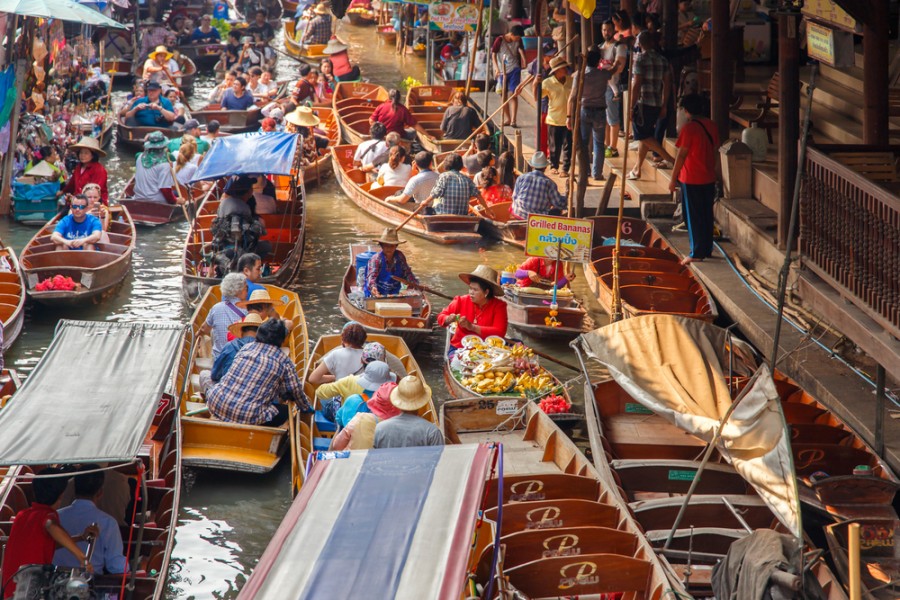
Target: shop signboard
[552, 237]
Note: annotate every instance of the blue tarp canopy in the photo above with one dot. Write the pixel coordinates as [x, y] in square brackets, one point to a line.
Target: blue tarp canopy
[249, 154]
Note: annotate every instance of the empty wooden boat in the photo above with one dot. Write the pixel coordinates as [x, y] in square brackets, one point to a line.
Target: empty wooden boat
[530, 312]
[441, 229]
[565, 530]
[651, 278]
[96, 273]
[406, 315]
[132, 136]
[231, 121]
[428, 103]
[210, 443]
[353, 104]
[140, 443]
[12, 296]
[185, 81]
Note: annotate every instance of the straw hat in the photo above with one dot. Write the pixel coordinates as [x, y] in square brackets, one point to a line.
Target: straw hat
[539, 160]
[321, 9]
[486, 275]
[557, 63]
[410, 394]
[303, 116]
[259, 297]
[389, 236]
[42, 169]
[377, 373]
[251, 320]
[335, 46]
[92, 144]
[162, 50]
[156, 141]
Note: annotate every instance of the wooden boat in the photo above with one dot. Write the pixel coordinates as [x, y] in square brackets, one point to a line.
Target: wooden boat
[188, 74]
[880, 573]
[428, 103]
[497, 223]
[231, 121]
[147, 422]
[387, 34]
[152, 214]
[651, 278]
[210, 443]
[84, 127]
[565, 530]
[286, 230]
[321, 168]
[12, 297]
[311, 54]
[361, 17]
[441, 229]
[477, 85]
[528, 313]
[353, 104]
[413, 328]
[204, 56]
[96, 273]
[132, 136]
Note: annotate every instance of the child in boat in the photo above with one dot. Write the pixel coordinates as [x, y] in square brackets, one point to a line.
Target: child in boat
[36, 532]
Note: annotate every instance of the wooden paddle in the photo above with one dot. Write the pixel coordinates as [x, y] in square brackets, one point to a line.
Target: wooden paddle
[424, 288]
[419, 209]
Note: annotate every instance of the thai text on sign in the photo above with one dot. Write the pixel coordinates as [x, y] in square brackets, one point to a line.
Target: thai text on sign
[549, 237]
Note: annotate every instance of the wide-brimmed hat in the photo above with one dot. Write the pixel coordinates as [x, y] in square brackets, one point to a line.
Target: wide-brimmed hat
[303, 116]
[321, 9]
[259, 297]
[89, 143]
[486, 275]
[335, 46]
[380, 402]
[161, 49]
[377, 373]
[42, 169]
[539, 160]
[156, 141]
[389, 236]
[411, 394]
[558, 62]
[251, 320]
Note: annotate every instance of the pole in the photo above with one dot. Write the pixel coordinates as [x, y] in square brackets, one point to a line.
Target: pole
[879, 410]
[487, 46]
[582, 154]
[617, 295]
[475, 48]
[21, 69]
[429, 56]
[539, 63]
[576, 135]
[853, 560]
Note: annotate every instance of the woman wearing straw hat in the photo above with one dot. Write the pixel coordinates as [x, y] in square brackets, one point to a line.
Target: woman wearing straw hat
[303, 121]
[387, 264]
[481, 312]
[408, 428]
[88, 170]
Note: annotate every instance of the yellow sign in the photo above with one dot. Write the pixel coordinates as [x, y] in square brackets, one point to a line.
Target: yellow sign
[828, 11]
[570, 239]
[820, 43]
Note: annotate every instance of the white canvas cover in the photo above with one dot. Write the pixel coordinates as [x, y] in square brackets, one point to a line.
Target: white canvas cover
[93, 394]
[677, 367]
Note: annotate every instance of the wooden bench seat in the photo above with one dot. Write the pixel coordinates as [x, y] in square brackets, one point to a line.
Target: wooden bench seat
[763, 114]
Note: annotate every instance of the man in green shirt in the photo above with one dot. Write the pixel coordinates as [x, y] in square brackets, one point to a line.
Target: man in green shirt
[191, 127]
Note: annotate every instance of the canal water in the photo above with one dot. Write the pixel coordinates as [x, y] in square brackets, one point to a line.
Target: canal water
[227, 519]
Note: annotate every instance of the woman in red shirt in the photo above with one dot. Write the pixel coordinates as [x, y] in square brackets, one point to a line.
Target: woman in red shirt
[696, 169]
[394, 116]
[88, 170]
[481, 312]
[536, 268]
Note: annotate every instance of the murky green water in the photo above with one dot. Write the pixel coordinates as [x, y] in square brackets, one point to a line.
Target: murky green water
[226, 519]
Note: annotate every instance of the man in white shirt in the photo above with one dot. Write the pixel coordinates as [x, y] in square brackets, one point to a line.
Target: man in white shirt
[419, 187]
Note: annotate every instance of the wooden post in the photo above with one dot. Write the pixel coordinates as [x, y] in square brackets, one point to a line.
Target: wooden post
[487, 52]
[9, 159]
[580, 147]
[853, 567]
[473, 54]
[539, 69]
[570, 32]
[670, 34]
[875, 75]
[788, 115]
[879, 410]
[721, 76]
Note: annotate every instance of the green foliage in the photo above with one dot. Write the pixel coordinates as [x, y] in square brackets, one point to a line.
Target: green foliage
[223, 26]
[406, 84]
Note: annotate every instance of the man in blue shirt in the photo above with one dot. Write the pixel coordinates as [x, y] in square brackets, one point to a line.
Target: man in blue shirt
[535, 193]
[108, 556]
[152, 110]
[238, 98]
[250, 265]
[79, 230]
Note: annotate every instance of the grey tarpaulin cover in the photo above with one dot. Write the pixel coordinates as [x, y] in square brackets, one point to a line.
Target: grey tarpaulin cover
[93, 394]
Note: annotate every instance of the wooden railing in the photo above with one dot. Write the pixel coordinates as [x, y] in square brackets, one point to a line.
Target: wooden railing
[850, 232]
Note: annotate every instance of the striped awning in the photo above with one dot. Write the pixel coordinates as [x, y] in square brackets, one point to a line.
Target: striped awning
[392, 523]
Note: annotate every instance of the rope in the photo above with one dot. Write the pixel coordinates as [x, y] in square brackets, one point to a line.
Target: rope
[137, 492]
[498, 533]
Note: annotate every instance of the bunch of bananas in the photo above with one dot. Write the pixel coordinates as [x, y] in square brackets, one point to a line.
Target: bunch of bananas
[533, 383]
[521, 351]
[492, 382]
[510, 268]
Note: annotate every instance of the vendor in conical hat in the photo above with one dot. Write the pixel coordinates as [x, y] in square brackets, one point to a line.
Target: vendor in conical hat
[88, 170]
[387, 264]
[481, 312]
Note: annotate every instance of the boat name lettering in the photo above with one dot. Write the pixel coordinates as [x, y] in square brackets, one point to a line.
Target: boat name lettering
[561, 545]
[486, 404]
[579, 573]
[546, 518]
[558, 226]
[677, 475]
[561, 553]
[552, 524]
[806, 458]
[637, 409]
[876, 536]
[523, 491]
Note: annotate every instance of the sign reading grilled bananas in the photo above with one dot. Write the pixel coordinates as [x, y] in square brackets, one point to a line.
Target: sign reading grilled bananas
[569, 239]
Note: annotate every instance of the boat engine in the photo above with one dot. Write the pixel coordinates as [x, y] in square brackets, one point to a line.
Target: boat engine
[49, 582]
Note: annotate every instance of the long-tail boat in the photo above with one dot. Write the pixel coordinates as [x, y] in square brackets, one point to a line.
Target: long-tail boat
[311, 54]
[132, 136]
[152, 214]
[441, 229]
[651, 277]
[231, 121]
[651, 441]
[12, 296]
[428, 103]
[353, 104]
[185, 80]
[529, 312]
[286, 228]
[210, 443]
[96, 273]
[140, 444]
[406, 315]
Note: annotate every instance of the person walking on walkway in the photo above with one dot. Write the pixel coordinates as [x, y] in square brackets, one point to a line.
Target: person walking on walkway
[592, 118]
[651, 86]
[697, 169]
[508, 55]
[614, 59]
[557, 88]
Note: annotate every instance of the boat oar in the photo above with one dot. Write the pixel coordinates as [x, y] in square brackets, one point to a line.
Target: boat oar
[419, 209]
[421, 287]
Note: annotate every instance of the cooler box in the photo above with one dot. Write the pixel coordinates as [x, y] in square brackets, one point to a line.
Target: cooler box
[393, 309]
[362, 267]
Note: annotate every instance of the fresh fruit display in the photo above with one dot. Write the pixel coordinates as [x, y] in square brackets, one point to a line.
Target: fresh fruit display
[533, 385]
[553, 405]
[57, 282]
[492, 366]
[491, 382]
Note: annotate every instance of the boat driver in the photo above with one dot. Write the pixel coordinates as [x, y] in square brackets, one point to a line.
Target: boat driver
[387, 264]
